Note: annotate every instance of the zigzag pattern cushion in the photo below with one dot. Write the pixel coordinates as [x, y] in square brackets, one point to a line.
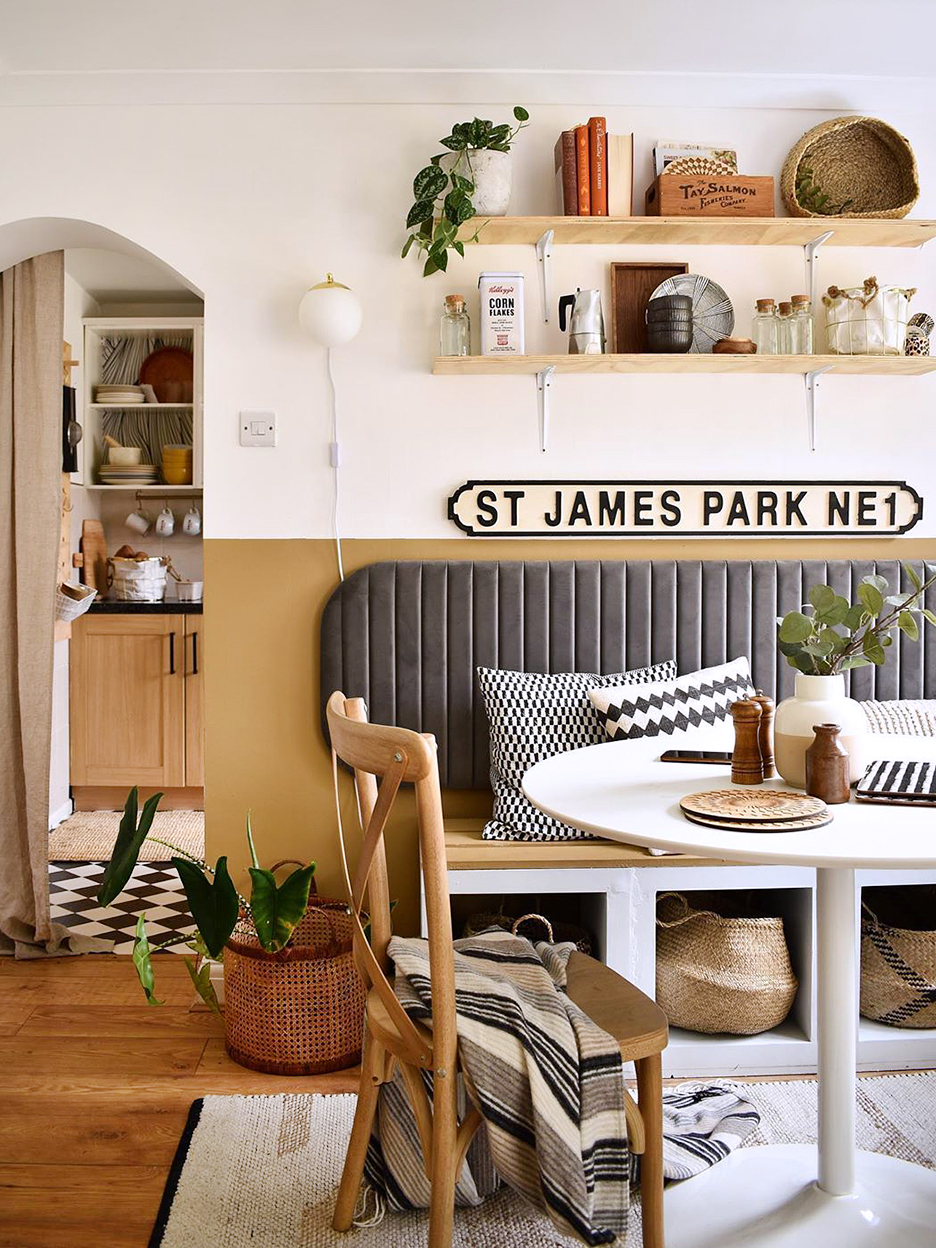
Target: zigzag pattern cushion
[533, 716]
[691, 701]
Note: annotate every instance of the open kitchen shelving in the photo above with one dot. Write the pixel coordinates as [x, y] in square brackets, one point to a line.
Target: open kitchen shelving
[809, 233]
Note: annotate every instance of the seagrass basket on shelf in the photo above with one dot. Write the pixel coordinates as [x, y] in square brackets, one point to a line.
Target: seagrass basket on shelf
[299, 1011]
[850, 167]
[533, 926]
[898, 955]
[721, 972]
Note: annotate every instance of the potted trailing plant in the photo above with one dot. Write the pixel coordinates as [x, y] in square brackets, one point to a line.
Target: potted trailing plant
[831, 636]
[472, 178]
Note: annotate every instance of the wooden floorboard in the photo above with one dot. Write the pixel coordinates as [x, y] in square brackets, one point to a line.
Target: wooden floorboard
[94, 1083]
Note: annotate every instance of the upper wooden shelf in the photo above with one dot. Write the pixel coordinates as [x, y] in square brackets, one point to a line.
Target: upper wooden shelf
[695, 231]
[524, 365]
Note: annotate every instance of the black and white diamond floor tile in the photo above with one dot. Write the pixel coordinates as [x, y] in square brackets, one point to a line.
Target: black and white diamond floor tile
[154, 889]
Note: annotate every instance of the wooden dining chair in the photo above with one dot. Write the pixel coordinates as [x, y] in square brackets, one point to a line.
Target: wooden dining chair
[393, 756]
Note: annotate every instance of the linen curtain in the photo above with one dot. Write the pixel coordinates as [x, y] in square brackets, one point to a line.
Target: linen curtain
[31, 308]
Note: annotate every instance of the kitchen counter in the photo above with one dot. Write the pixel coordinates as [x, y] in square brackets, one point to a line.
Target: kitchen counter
[111, 606]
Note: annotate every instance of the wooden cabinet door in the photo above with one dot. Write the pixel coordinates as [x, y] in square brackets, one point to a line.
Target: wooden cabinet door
[194, 702]
[127, 695]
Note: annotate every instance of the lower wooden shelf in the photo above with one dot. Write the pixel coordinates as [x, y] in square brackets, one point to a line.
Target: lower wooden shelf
[797, 365]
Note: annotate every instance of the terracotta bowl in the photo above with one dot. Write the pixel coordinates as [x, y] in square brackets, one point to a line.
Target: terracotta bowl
[735, 346]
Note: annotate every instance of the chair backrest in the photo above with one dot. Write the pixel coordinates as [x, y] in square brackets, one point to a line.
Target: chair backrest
[384, 757]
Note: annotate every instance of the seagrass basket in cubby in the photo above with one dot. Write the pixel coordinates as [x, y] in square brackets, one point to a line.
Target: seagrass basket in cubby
[299, 1011]
[721, 972]
[898, 955]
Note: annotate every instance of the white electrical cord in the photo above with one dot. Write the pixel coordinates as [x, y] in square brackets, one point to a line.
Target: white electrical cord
[335, 457]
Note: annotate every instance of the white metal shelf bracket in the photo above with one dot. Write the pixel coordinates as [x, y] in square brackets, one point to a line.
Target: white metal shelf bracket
[544, 255]
[810, 252]
[543, 382]
[812, 390]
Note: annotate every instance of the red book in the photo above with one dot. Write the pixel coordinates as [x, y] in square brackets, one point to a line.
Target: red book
[598, 165]
[582, 175]
[566, 182]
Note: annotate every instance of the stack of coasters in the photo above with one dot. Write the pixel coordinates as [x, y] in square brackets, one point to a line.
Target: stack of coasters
[890, 780]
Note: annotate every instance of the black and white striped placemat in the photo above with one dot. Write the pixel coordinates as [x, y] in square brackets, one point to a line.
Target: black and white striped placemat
[897, 780]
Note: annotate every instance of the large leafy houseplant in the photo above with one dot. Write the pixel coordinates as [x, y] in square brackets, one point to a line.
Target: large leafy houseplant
[442, 195]
[215, 904]
[830, 635]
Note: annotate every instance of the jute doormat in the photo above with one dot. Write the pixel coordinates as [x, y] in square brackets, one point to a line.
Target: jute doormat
[264, 1170]
[89, 835]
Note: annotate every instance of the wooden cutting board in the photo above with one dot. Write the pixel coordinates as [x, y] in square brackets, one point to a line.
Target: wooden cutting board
[94, 556]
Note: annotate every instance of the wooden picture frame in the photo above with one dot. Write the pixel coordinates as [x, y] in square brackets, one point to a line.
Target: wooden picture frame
[632, 284]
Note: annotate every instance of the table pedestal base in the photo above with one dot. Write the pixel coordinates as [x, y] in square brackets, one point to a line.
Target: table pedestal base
[768, 1198]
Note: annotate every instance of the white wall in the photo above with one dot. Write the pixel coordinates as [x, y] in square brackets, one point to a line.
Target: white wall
[267, 198]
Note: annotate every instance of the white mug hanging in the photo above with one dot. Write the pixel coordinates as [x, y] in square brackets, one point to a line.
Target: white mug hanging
[139, 521]
[191, 524]
[165, 523]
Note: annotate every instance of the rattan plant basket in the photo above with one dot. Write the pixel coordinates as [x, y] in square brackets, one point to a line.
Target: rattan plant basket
[719, 974]
[299, 1011]
[857, 159]
[898, 963]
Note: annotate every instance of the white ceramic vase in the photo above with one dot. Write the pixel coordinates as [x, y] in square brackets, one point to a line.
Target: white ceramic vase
[492, 173]
[818, 700]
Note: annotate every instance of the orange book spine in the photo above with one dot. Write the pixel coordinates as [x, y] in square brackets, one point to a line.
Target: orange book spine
[582, 174]
[598, 165]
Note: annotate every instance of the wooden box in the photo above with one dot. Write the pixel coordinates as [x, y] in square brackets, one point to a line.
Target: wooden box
[631, 288]
[733, 196]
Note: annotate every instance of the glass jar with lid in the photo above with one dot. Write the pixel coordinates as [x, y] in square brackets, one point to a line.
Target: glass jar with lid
[455, 329]
[784, 316]
[801, 326]
[764, 327]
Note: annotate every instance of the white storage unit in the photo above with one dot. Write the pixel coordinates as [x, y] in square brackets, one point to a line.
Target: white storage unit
[618, 905]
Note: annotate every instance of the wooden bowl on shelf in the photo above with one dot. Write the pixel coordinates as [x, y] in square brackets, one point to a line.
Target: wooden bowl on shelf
[735, 346]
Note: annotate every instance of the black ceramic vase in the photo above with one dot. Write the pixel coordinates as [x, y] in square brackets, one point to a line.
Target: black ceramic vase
[669, 324]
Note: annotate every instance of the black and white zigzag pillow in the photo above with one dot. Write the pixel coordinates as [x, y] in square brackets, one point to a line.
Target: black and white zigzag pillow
[691, 701]
[533, 716]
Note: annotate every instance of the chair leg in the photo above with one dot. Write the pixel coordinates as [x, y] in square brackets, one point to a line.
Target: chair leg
[650, 1098]
[443, 1176]
[368, 1092]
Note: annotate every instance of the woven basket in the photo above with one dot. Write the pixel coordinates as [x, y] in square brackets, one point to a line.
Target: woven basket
[718, 974]
[299, 1011]
[856, 158]
[898, 964]
[558, 933]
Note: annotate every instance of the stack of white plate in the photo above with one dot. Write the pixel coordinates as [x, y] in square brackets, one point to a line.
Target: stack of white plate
[130, 475]
[119, 396]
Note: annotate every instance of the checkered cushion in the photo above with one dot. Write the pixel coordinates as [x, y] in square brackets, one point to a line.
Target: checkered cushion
[690, 701]
[533, 716]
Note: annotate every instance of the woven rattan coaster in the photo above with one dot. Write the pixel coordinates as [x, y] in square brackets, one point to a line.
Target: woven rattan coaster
[763, 825]
[770, 805]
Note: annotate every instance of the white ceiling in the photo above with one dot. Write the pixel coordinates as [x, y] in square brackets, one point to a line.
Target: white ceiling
[792, 37]
[113, 277]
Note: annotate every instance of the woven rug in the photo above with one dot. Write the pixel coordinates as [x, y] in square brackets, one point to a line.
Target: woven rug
[264, 1170]
[89, 835]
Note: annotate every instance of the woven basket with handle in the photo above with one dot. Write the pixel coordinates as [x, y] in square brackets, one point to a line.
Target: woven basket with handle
[299, 1011]
[898, 963]
[860, 159]
[558, 933]
[718, 974]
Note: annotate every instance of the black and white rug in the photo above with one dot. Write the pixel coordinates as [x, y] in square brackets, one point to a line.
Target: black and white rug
[153, 889]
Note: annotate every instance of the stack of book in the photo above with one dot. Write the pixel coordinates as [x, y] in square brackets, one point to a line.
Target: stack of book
[594, 171]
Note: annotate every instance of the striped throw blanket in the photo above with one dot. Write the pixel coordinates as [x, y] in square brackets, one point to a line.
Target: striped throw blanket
[549, 1085]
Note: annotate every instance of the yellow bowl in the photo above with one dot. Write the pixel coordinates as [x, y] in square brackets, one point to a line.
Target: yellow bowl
[177, 476]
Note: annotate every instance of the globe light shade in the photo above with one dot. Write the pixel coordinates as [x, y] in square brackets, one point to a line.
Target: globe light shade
[330, 313]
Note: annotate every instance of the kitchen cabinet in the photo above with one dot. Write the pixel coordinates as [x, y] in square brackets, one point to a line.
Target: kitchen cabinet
[136, 701]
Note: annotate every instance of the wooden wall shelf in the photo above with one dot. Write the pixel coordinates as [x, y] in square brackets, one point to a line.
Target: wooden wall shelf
[797, 365]
[691, 231]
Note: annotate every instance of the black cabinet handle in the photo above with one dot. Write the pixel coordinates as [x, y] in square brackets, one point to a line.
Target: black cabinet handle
[194, 654]
[172, 654]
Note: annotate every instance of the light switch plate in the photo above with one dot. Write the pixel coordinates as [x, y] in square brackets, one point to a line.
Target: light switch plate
[257, 428]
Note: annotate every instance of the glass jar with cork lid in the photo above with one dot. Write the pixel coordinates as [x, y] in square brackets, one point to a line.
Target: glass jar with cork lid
[455, 329]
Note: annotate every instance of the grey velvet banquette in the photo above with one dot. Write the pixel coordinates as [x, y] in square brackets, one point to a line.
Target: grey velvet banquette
[407, 636]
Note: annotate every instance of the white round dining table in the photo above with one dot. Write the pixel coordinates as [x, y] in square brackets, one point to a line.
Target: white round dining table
[776, 1196]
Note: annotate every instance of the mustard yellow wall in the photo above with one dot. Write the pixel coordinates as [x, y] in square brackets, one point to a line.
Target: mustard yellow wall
[265, 750]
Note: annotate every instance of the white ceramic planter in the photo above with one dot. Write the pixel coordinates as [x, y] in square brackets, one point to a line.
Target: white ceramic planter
[818, 700]
[492, 174]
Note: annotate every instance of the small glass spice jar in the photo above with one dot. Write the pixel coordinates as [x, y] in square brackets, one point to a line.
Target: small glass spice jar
[784, 317]
[455, 329]
[764, 327]
[801, 326]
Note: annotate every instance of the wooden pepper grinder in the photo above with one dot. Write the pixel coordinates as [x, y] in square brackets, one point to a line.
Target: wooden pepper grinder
[765, 733]
[746, 765]
[827, 766]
